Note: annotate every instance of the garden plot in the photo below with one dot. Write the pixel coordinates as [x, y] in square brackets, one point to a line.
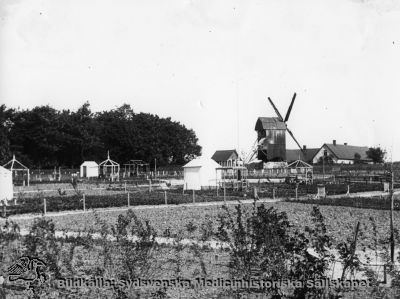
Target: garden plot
[340, 221]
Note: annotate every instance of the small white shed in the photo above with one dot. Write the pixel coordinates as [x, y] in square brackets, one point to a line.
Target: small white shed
[6, 185]
[89, 169]
[201, 172]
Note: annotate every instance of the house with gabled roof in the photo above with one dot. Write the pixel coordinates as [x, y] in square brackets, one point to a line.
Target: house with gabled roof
[227, 158]
[306, 155]
[343, 153]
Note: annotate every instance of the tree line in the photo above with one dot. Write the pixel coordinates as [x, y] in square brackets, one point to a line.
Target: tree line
[45, 137]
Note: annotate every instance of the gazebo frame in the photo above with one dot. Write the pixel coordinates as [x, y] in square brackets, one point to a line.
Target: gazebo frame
[302, 169]
[133, 165]
[109, 164]
[15, 166]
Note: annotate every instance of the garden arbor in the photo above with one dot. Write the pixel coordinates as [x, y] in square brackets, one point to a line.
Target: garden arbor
[109, 168]
[135, 167]
[18, 170]
[302, 170]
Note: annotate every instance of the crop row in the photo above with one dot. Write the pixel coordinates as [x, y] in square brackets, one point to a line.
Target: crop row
[65, 203]
[375, 202]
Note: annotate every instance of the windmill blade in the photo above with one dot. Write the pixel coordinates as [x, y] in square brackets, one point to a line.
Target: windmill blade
[251, 154]
[251, 157]
[276, 109]
[290, 108]
[291, 134]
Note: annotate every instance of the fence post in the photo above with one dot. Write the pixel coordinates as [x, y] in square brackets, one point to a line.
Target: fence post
[348, 190]
[273, 192]
[44, 206]
[224, 193]
[165, 197]
[84, 202]
[4, 210]
[297, 186]
[255, 193]
[129, 200]
[193, 197]
[125, 186]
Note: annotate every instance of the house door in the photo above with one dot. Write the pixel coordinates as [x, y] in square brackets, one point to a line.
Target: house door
[84, 171]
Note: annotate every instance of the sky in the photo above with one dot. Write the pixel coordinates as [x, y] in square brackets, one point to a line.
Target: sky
[211, 65]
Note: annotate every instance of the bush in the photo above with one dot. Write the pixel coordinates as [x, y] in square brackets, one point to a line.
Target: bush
[263, 246]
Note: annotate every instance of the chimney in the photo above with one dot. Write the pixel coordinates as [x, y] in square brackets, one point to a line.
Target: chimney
[334, 142]
[345, 143]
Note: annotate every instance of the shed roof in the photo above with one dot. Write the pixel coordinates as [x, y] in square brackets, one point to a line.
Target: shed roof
[90, 163]
[201, 162]
[269, 123]
[347, 152]
[224, 155]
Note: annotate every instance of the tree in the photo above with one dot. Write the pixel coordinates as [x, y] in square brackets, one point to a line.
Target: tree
[376, 154]
[327, 160]
[357, 158]
[262, 244]
[5, 127]
[46, 137]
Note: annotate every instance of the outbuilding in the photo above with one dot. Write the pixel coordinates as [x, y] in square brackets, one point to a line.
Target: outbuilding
[201, 173]
[89, 169]
[6, 185]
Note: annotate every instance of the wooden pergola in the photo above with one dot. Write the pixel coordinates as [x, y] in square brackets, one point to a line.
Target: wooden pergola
[134, 166]
[109, 168]
[17, 167]
[301, 169]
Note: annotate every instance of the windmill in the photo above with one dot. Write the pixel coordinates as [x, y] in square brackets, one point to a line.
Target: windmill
[271, 140]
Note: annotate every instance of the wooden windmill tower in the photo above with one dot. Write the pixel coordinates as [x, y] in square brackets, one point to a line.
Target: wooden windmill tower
[271, 136]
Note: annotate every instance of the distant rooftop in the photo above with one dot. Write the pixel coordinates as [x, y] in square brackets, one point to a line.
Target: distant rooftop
[297, 154]
[347, 152]
[223, 155]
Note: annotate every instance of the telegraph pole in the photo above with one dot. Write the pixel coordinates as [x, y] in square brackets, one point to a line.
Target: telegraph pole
[391, 215]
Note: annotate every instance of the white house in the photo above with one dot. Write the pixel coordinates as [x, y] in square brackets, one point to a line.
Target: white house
[6, 185]
[201, 172]
[342, 153]
[228, 158]
[89, 169]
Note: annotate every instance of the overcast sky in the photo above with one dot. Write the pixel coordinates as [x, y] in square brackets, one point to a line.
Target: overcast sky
[212, 64]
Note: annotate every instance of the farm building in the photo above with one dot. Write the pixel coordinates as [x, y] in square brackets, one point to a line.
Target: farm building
[201, 173]
[89, 169]
[342, 153]
[6, 185]
[306, 155]
[228, 158]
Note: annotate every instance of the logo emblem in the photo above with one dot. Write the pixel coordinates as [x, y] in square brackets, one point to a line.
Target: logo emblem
[27, 269]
